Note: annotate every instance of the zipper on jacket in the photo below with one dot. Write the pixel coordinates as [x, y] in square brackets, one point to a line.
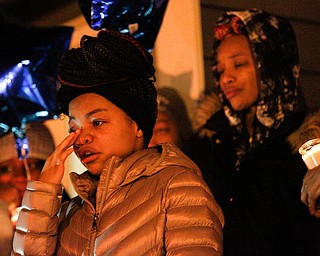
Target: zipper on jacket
[95, 220]
[93, 235]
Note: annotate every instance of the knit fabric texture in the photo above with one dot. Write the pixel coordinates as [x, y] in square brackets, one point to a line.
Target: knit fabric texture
[117, 67]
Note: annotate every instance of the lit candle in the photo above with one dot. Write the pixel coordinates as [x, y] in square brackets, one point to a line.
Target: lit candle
[310, 152]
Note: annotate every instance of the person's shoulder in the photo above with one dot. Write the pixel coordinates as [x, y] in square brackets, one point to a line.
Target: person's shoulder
[309, 128]
[181, 177]
[208, 104]
[214, 130]
[172, 158]
[173, 155]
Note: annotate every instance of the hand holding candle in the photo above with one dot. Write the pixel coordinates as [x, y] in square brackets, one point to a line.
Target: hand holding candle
[310, 152]
[310, 191]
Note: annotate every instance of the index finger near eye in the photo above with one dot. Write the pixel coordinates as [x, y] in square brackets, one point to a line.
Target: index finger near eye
[68, 141]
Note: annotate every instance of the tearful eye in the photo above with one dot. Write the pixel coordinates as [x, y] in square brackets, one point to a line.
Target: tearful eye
[162, 130]
[97, 123]
[239, 65]
[71, 129]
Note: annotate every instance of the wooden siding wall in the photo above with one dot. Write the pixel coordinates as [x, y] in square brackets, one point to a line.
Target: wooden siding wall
[305, 19]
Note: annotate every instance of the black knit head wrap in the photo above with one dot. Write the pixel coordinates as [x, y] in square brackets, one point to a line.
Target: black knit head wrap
[116, 67]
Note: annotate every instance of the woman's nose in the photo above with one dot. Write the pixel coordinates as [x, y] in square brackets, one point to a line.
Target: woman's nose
[153, 142]
[226, 77]
[83, 138]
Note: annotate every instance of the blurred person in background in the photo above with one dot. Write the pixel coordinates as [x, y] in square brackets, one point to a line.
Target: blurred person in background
[15, 173]
[173, 123]
[242, 147]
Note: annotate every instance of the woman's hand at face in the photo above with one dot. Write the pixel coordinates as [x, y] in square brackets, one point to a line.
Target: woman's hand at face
[54, 167]
[310, 191]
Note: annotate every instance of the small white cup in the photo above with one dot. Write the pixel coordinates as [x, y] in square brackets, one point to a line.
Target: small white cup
[310, 152]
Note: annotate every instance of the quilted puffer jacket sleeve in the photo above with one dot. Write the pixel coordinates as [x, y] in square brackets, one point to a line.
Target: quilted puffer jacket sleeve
[37, 226]
[194, 219]
[6, 231]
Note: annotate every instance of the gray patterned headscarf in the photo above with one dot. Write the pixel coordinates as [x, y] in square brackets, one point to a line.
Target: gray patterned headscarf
[274, 47]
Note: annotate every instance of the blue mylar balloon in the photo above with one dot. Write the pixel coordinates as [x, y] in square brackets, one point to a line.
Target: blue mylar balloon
[29, 58]
[141, 19]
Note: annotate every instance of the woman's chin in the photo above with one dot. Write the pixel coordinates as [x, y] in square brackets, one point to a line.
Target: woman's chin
[94, 169]
[238, 106]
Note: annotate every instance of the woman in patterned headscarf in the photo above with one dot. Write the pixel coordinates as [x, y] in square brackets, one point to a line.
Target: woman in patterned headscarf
[242, 144]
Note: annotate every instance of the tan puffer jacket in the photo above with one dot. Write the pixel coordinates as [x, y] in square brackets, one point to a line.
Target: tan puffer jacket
[154, 202]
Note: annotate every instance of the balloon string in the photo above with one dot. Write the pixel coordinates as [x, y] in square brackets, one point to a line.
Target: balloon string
[25, 162]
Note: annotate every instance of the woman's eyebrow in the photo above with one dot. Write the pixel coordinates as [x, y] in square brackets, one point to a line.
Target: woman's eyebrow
[95, 111]
[237, 54]
[89, 114]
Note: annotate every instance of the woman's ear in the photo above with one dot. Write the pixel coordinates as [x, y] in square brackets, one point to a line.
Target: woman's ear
[139, 133]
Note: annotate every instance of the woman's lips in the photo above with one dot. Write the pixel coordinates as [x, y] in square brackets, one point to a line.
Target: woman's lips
[87, 155]
[229, 93]
[89, 158]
